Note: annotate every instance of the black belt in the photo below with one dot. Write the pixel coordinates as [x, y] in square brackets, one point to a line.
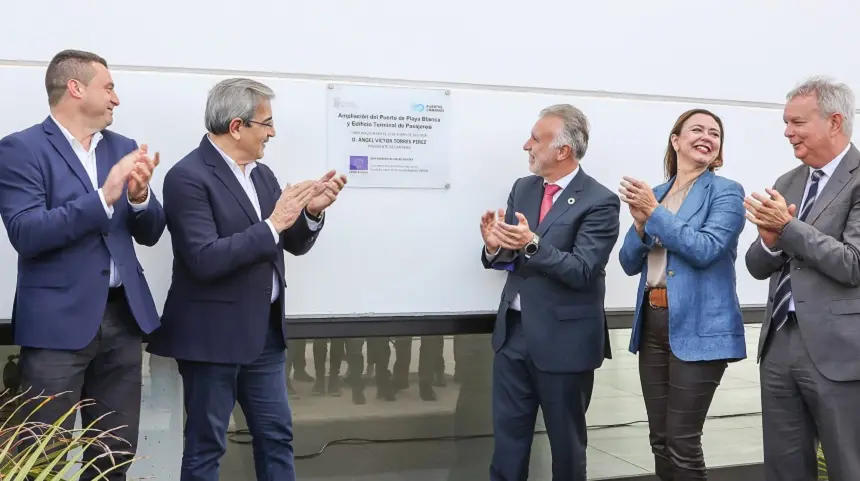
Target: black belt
[116, 294]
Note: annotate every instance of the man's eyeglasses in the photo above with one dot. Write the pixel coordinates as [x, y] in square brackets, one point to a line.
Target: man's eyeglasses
[270, 124]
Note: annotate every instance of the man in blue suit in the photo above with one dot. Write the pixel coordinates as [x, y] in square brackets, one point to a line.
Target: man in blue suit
[73, 197]
[223, 321]
[555, 239]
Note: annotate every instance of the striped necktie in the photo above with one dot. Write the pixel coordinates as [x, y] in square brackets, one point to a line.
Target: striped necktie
[783, 287]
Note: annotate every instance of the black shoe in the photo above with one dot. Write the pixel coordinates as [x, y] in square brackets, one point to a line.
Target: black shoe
[319, 386]
[334, 386]
[425, 390]
[358, 396]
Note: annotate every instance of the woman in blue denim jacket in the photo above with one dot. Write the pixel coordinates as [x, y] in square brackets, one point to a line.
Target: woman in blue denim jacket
[688, 324]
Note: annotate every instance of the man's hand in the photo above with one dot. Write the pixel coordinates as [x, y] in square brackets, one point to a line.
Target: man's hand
[514, 237]
[119, 175]
[769, 213]
[488, 230]
[770, 237]
[333, 184]
[294, 198]
[138, 181]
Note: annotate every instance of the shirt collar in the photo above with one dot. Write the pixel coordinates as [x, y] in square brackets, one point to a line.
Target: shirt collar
[234, 166]
[564, 181]
[71, 138]
[830, 168]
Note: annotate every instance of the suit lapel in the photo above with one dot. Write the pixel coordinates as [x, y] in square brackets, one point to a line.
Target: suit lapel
[103, 164]
[796, 185]
[226, 176]
[834, 185]
[264, 195]
[661, 190]
[566, 200]
[267, 200]
[533, 196]
[59, 141]
[696, 197]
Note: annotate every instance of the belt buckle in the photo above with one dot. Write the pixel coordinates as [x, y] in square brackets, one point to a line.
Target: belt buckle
[650, 303]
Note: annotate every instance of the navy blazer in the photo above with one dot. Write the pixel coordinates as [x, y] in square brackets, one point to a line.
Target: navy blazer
[218, 306]
[701, 241]
[65, 240]
[563, 286]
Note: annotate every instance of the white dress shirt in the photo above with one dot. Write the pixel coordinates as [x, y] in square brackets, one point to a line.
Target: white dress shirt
[247, 184]
[828, 171]
[88, 159]
[563, 183]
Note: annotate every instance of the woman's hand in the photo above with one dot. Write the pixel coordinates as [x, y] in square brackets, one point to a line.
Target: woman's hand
[639, 220]
[639, 196]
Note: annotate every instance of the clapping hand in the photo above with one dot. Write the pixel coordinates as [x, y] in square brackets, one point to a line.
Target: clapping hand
[514, 237]
[488, 229]
[332, 184]
[639, 196]
[294, 199]
[120, 175]
[140, 175]
[769, 214]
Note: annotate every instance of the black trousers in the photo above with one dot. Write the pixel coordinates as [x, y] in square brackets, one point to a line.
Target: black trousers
[677, 395]
[106, 372]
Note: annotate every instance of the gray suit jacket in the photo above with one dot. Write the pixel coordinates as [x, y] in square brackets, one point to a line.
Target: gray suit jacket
[562, 287]
[824, 253]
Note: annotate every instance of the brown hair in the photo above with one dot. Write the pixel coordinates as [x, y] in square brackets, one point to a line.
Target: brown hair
[670, 161]
[68, 65]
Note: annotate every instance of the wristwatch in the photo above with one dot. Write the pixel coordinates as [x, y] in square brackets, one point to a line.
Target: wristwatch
[532, 247]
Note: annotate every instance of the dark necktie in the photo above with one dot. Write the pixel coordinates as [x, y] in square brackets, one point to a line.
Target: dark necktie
[783, 287]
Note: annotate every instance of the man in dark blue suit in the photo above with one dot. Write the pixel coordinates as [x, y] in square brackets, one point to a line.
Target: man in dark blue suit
[555, 239]
[223, 321]
[73, 197]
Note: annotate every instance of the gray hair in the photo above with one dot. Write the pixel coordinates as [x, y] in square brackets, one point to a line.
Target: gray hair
[833, 98]
[574, 131]
[235, 98]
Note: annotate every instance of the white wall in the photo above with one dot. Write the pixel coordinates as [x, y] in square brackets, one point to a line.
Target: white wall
[633, 67]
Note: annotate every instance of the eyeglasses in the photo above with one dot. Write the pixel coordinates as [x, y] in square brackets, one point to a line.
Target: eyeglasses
[270, 124]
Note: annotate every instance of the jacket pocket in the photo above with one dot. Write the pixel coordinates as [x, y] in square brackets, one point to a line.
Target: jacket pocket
[845, 306]
[573, 313]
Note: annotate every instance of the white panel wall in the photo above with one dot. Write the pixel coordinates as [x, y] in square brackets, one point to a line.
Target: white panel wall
[633, 67]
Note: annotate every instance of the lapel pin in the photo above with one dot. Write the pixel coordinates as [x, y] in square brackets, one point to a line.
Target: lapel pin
[571, 200]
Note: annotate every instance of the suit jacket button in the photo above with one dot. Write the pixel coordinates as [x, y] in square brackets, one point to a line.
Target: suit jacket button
[268, 290]
[671, 273]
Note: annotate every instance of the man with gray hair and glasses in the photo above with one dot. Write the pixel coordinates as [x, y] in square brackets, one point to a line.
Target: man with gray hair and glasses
[554, 240]
[809, 248]
[230, 223]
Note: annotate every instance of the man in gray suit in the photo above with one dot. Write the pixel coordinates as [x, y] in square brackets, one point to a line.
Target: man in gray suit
[809, 247]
